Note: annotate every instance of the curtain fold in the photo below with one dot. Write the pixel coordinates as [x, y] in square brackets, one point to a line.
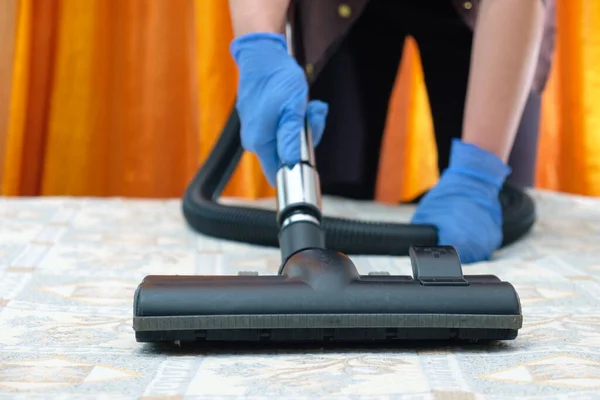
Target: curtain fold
[102, 99]
[8, 33]
[127, 97]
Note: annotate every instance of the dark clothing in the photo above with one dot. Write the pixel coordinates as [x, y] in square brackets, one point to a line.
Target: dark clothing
[320, 25]
[358, 76]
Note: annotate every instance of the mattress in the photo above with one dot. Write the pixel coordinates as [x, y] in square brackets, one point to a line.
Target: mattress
[69, 267]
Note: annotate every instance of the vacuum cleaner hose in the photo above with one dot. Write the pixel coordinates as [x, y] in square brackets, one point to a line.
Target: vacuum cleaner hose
[204, 213]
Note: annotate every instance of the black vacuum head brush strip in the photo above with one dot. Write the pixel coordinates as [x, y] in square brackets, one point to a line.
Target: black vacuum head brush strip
[318, 294]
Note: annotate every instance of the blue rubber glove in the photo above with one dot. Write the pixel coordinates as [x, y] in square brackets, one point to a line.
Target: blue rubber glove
[272, 101]
[464, 204]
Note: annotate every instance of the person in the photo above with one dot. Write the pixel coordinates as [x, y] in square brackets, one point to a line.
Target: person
[485, 65]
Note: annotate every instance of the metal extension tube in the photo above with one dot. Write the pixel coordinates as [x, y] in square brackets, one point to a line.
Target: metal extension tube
[299, 196]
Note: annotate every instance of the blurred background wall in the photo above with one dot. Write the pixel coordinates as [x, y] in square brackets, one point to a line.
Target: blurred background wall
[126, 98]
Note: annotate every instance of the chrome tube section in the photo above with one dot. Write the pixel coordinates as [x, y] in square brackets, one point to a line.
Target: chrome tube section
[299, 204]
[298, 187]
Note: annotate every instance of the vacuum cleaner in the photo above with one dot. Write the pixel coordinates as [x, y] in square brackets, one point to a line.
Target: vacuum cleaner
[318, 294]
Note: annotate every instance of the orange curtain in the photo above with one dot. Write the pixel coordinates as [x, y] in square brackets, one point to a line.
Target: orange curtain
[126, 98]
[569, 155]
[8, 30]
[102, 99]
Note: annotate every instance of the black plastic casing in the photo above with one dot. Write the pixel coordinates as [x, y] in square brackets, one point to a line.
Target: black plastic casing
[319, 296]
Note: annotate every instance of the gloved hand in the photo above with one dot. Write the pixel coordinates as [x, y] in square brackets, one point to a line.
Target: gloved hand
[272, 101]
[464, 204]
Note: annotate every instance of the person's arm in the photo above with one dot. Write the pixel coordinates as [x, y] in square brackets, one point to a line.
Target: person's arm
[249, 16]
[506, 44]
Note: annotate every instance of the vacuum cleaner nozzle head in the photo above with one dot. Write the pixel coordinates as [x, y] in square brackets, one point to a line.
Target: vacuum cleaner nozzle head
[320, 296]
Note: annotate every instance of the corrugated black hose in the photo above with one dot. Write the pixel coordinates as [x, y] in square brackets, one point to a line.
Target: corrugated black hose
[256, 226]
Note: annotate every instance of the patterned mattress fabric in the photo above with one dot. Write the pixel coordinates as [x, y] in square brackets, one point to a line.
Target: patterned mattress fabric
[69, 268]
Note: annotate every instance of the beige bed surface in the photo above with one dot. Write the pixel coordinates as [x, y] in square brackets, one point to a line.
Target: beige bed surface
[69, 266]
